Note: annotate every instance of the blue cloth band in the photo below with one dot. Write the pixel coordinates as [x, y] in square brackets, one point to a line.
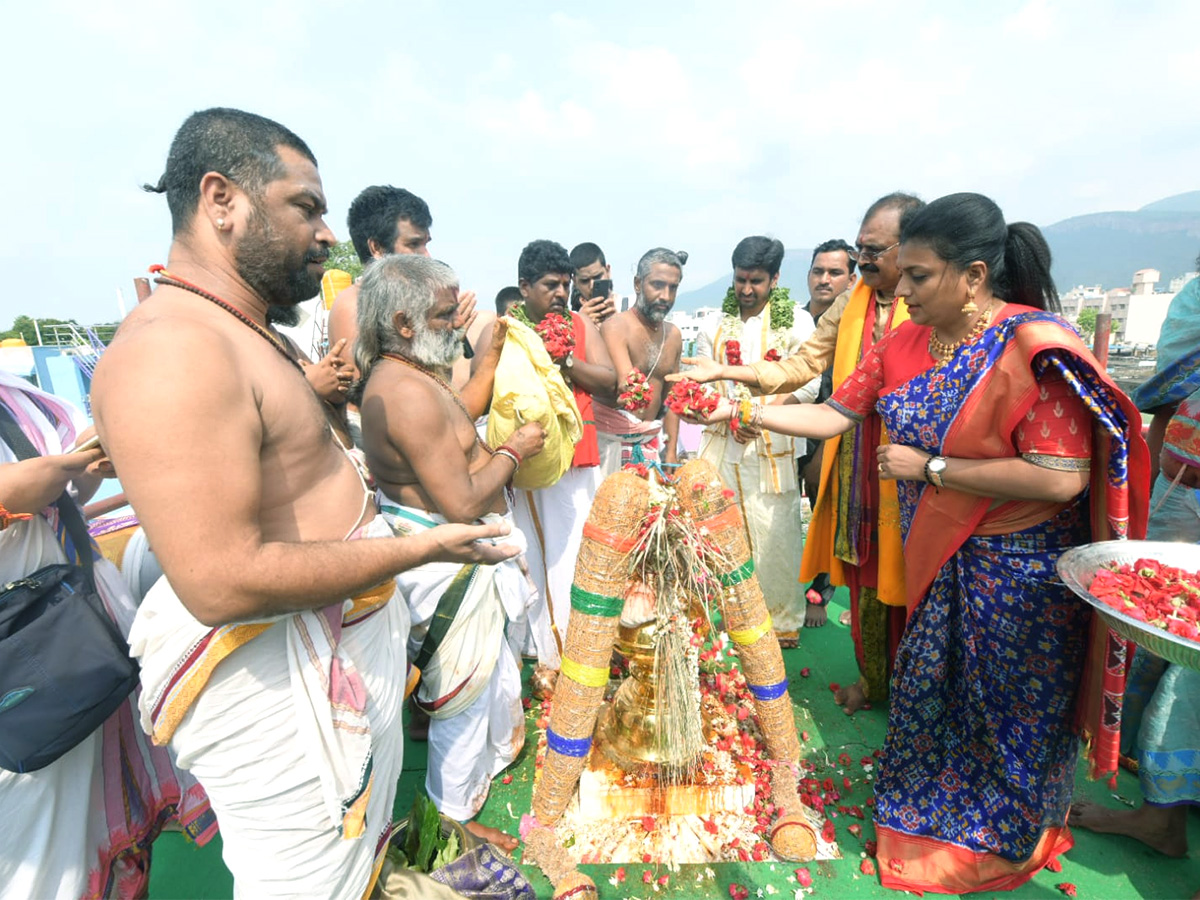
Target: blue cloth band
[768, 691]
[570, 746]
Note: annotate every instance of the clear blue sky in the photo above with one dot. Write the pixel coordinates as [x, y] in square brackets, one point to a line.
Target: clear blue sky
[630, 124]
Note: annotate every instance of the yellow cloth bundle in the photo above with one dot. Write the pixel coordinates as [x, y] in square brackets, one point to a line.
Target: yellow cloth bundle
[530, 388]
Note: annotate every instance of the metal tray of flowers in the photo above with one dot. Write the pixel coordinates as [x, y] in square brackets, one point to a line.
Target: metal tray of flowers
[1078, 566]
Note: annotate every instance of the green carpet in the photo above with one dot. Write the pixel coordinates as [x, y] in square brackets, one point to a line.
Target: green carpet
[1100, 866]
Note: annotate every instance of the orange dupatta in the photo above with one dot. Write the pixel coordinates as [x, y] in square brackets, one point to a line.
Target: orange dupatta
[820, 546]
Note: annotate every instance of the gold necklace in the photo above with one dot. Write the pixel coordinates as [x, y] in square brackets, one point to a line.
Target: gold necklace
[942, 351]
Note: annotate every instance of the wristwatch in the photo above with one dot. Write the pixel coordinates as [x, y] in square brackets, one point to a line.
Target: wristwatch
[569, 361]
[934, 467]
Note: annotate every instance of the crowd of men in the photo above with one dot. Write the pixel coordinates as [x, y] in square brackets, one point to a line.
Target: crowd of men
[336, 534]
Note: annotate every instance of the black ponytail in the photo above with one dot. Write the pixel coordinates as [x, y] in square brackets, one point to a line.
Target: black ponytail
[963, 228]
[1027, 269]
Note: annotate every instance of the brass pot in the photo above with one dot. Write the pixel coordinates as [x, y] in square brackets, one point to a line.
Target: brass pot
[630, 729]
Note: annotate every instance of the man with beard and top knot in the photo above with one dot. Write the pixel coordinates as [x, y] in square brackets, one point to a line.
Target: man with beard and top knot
[552, 518]
[854, 534]
[759, 321]
[431, 468]
[272, 652]
[645, 348]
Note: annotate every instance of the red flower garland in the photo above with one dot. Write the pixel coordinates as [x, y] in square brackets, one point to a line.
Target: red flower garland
[638, 391]
[557, 333]
[733, 353]
[773, 355]
[691, 399]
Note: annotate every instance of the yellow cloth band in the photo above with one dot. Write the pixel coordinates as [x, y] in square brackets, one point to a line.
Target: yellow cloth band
[588, 676]
[750, 635]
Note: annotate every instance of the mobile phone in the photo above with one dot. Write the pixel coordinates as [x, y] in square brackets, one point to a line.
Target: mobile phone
[601, 288]
[90, 444]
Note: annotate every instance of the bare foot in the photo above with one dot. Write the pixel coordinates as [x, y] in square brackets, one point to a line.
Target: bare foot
[815, 616]
[505, 842]
[1162, 827]
[418, 722]
[850, 698]
[844, 618]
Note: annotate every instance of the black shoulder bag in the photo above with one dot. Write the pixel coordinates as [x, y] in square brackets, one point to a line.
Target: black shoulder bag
[64, 665]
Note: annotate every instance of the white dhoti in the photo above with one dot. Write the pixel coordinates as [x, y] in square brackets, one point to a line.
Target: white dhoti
[553, 519]
[625, 439]
[764, 478]
[295, 734]
[471, 683]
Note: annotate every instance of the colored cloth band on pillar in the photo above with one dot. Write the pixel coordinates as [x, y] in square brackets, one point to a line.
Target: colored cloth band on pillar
[595, 604]
[765, 692]
[568, 746]
[740, 574]
[588, 676]
[600, 536]
[750, 635]
[730, 517]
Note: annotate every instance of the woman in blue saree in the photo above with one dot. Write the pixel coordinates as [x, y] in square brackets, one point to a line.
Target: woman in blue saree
[1009, 445]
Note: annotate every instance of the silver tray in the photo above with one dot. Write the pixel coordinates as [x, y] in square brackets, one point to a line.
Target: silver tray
[1077, 567]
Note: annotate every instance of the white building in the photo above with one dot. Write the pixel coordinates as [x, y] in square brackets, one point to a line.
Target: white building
[1147, 308]
[1177, 283]
[1137, 311]
[1081, 297]
[689, 324]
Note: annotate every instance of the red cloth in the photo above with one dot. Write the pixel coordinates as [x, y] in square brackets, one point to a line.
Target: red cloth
[587, 451]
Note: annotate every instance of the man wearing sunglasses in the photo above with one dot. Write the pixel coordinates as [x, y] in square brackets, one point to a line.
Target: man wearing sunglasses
[854, 534]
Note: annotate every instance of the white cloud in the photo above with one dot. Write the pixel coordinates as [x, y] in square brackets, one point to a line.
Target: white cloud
[1035, 19]
[626, 124]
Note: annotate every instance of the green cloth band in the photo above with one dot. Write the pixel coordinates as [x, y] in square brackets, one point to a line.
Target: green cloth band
[740, 574]
[595, 604]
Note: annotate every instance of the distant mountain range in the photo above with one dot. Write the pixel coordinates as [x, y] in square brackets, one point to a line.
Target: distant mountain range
[1100, 248]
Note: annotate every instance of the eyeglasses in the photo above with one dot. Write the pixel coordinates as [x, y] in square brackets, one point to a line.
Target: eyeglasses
[869, 254]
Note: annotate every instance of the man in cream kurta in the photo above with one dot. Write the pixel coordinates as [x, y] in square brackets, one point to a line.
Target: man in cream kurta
[761, 467]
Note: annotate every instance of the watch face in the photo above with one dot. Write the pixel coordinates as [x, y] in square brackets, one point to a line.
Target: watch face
[937, 464]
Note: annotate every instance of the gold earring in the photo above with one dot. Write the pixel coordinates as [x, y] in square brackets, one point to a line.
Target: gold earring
[969, 307]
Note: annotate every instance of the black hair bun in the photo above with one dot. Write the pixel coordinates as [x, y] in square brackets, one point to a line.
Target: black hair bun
[683, 257]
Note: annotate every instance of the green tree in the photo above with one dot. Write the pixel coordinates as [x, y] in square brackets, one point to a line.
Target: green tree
[1086, 320]
[342, 256]
[22, 327]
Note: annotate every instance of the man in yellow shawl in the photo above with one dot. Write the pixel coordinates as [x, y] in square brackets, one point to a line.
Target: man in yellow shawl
[854, 534]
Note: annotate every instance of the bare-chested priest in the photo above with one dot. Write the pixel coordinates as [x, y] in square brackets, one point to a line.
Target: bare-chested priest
[272, 653]
[468, 621]
[640, 338]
